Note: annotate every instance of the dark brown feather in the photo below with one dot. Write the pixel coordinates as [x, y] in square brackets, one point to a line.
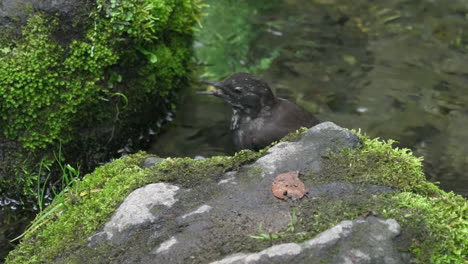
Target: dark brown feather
[259, 118]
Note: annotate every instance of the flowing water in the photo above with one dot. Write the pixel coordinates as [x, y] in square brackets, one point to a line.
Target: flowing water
[394, 69]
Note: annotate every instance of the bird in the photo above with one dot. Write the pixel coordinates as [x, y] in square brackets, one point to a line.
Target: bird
[259, 117]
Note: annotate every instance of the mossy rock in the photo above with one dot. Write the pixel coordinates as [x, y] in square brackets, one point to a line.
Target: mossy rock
[87, 82]
[375, 177]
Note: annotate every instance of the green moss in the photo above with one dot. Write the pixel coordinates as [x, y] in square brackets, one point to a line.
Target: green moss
[121, 70]
[99, 194]
[444, 230]
[44, 84]
[189, 172]
[294, 136]
[325, 212]
[41, 92]
[377, 162]
[436, 221]
[90, 197]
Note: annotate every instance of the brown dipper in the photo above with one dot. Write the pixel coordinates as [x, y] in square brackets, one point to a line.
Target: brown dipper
[259, 118]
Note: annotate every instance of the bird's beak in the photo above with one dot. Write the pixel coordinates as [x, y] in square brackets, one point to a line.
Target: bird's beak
[207, 92]
[219, 90]
[216, 91]
[215, 84]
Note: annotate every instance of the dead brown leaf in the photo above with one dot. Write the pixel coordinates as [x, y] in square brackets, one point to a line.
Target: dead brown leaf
[288, 185]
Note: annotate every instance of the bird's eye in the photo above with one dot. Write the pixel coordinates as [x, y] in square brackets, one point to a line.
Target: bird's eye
[238, 89]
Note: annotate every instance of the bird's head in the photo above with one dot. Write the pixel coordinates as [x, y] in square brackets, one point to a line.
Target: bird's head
[244, 92]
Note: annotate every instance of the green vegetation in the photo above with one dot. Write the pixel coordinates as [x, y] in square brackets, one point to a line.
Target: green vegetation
[436, 221]
[87, 196]
[41, 91]
[445, 225]
[99, 194]
[69, 184]
[224, 41]
[45, 83]
[377, 162]
[263, 236]
[121, 68]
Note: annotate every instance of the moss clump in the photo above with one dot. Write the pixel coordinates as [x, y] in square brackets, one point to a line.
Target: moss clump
[117, 70]
[87, 196]
[100, 192]
[42, 92]
[377, 162]
[436, 221]
[443, 236]
[44, 83]
[189, 172]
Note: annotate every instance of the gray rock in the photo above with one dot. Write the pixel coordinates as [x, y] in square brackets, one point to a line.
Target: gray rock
[150, 162]
[202, 209]
[339, 189]
[367, 240]
[19, 8]
[215, 220]
[306, 153]
[135, 211]
[165, 246]
[72, 15]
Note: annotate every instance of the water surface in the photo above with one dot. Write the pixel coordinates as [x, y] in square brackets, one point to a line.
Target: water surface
[394, 69]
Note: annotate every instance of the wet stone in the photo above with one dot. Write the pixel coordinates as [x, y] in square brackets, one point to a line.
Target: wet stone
[305, 154]
[214, 221]
[151, 162]
[135, 212]
[375, 245]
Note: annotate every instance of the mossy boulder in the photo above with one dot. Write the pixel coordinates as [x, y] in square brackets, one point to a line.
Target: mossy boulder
[85, 77]
[142, 209]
